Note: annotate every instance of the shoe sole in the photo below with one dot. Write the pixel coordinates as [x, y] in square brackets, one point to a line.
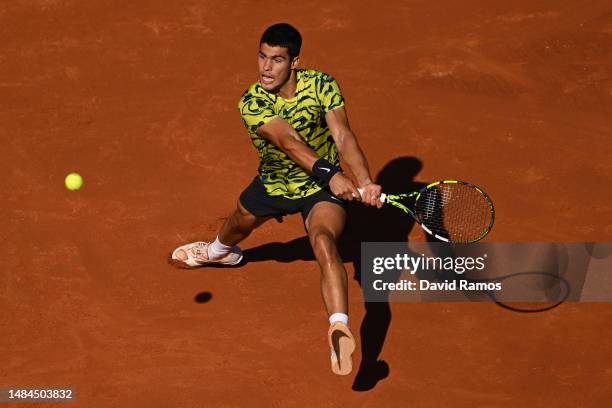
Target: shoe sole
[182, 265]
[343, 342]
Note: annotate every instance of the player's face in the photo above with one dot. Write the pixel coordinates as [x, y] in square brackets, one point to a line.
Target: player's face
[274, 67]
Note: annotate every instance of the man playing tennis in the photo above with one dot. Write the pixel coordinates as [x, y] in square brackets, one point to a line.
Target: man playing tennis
[298, 123]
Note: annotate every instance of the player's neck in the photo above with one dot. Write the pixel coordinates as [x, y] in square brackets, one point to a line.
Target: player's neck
[287, 91]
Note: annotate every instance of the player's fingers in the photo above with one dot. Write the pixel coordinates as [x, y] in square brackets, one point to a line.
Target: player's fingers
[367, 198]
[355, 193]
[373, 198]
[364, 197]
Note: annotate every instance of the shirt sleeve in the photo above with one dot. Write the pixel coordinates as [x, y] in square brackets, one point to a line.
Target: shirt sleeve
[255, 112]
[329, 93]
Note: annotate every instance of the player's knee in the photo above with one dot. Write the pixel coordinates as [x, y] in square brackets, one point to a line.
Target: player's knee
[242, 212]
[238, 220]
[243, 220]
[323, 243]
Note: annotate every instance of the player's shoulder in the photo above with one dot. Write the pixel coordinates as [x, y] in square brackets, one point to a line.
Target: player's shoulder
[315, 76]
[324, 84]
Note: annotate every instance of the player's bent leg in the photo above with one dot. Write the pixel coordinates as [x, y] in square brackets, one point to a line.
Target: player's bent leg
[239, 225]
[325, 224]
[223, 250]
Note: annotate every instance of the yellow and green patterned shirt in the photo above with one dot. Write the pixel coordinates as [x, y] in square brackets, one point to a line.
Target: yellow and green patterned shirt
[316, 94]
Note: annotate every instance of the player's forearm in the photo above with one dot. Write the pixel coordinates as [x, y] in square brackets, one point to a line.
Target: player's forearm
[299, 153]
[355, 159]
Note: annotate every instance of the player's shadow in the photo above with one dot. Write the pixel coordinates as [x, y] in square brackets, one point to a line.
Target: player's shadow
[366, 224]
[294, 250]
[388, 224]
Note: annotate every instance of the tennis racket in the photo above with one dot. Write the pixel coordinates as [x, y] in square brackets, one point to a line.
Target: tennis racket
[450, 210]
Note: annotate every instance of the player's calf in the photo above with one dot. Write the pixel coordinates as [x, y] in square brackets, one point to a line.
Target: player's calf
[239, 226]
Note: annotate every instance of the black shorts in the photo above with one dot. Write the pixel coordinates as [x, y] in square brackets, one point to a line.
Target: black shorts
[256, 200]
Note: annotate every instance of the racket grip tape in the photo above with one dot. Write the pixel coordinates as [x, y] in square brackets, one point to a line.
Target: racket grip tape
[383, 196]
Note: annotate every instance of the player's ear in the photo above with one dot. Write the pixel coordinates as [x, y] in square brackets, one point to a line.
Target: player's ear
[295, 62]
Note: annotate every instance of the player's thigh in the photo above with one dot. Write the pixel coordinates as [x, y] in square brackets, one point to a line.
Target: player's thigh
[326, 218]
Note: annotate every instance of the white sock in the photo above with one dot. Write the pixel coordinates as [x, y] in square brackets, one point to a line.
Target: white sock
[218, 250]
[338, 317]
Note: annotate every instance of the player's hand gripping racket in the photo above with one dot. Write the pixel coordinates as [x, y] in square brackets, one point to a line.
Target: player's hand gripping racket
[450, 210]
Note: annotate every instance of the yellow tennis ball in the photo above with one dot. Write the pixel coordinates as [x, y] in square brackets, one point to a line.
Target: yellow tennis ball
[73, 181]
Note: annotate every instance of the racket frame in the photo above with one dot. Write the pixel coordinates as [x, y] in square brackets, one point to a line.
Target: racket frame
[393, 200]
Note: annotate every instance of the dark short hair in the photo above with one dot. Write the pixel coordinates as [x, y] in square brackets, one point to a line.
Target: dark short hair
[283, 35]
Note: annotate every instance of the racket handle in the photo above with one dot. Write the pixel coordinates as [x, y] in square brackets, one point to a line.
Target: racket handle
[383, 196]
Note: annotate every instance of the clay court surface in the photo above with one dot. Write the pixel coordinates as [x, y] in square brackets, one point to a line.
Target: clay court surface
[140, 98]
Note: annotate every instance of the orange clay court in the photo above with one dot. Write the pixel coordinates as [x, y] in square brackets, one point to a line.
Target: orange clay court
[140, 97]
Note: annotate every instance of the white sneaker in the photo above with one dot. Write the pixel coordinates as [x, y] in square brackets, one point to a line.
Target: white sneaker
[195, 254]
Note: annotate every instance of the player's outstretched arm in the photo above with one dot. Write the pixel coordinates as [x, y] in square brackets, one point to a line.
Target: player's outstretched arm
[352, 154]
[286, 138]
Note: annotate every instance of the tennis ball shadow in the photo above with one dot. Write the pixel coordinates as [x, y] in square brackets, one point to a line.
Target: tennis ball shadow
[203, 297]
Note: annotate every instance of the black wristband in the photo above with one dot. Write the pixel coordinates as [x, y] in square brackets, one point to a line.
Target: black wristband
[324, 170]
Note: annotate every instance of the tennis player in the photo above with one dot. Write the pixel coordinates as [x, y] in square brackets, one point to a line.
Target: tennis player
[298, 123]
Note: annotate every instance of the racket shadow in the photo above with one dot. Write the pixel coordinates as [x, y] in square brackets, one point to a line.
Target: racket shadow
[559, 284]
[527, 291]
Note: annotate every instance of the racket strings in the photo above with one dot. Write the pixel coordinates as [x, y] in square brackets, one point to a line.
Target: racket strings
[457, 212]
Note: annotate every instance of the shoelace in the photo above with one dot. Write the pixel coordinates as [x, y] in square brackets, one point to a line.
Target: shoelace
[200, 250]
